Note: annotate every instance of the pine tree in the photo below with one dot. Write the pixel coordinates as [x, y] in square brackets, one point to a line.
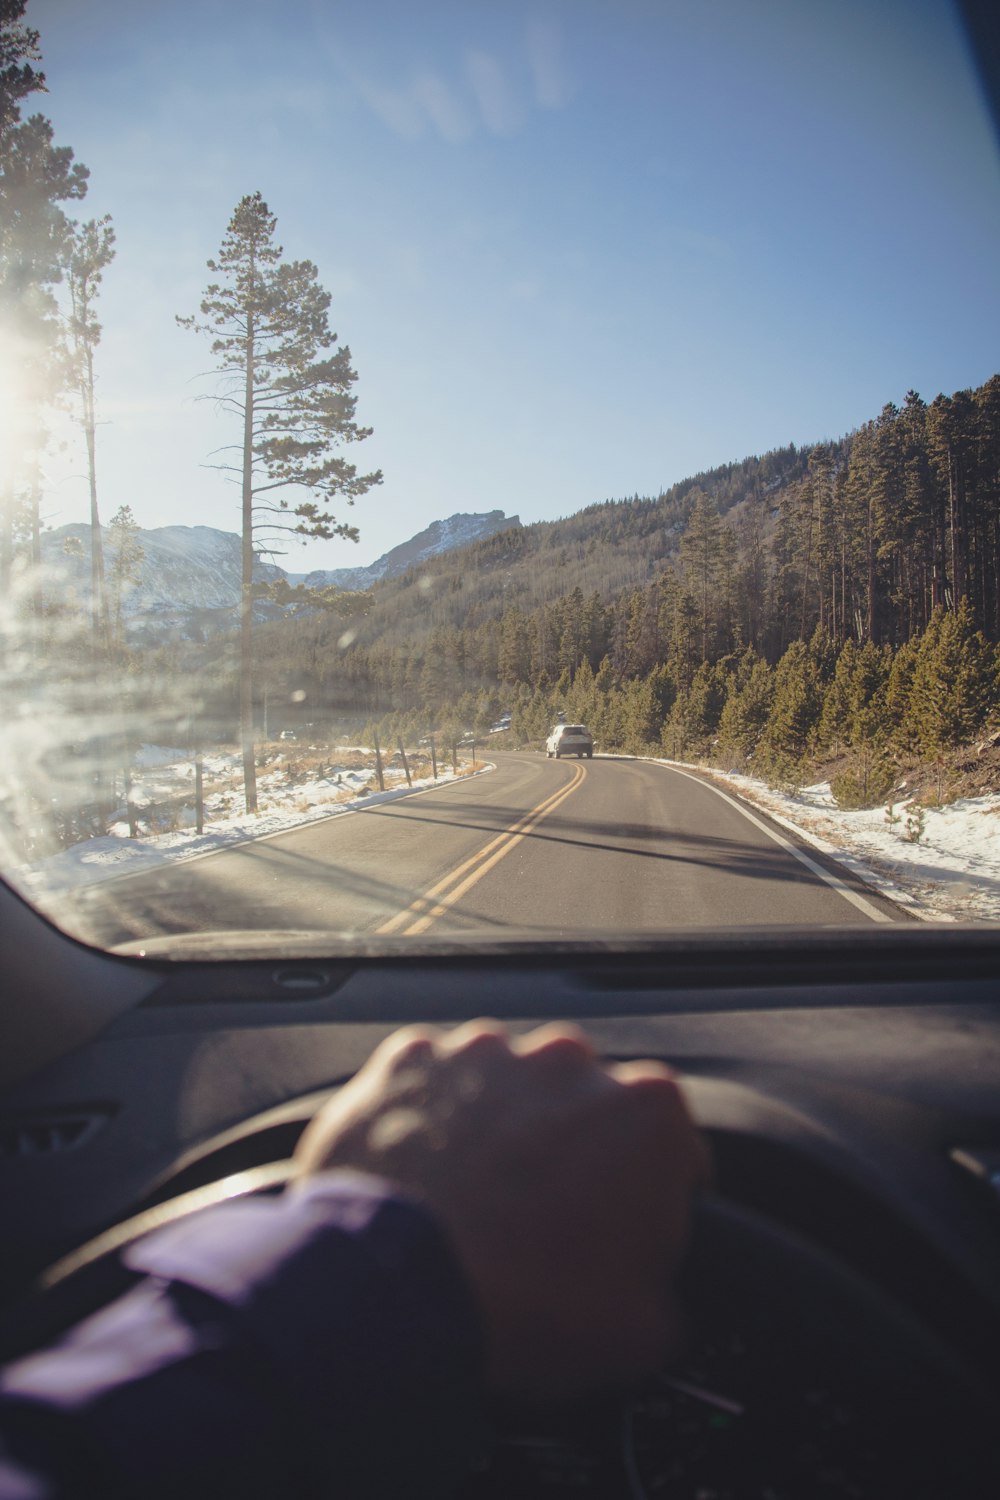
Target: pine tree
[746, 710]
[854, 706]
[641, 720]
[835, 723]
[705, 700]
[290, 387]
[795, 711]
[954, 684]
[683, 654]
[125, 570]
[18, 51]
[751, 579]
[514, 649]
[702, 552]
[921, 521]
[869, 724]
[36, 177]
[436, 678]
[898, 689]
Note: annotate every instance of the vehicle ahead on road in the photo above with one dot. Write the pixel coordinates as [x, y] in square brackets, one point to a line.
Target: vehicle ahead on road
[570, 739]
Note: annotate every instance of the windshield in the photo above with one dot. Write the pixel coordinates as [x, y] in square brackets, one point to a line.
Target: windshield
[496, 471]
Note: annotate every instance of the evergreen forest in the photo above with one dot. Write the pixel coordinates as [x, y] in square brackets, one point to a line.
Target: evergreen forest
[841, 599]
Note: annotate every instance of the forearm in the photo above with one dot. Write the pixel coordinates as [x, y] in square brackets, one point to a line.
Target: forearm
[321, 1342]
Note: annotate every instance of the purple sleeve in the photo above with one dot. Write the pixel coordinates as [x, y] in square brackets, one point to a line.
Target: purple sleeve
[321, 1343]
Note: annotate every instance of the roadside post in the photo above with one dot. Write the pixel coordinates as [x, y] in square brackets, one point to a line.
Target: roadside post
[378, 765]
[199, 792]
[406, 764]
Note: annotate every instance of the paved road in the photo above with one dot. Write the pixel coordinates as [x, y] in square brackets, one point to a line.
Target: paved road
[544, 847]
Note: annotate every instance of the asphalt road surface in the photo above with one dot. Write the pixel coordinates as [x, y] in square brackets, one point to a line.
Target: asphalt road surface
[537, 847]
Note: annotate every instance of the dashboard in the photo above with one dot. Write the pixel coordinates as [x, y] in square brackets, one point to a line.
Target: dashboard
[844, 1290]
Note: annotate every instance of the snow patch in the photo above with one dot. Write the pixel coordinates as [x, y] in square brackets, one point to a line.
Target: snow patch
[284, 806]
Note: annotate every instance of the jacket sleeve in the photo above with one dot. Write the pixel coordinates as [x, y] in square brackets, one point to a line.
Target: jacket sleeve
[321, 1343]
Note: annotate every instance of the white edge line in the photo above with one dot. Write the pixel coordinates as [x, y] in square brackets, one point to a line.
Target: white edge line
[857, 865]
[883, 884]
[832, 880]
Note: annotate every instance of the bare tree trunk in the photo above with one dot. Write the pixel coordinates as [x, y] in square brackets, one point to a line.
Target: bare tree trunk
[246, 592]
[805, 573]
[98, 589]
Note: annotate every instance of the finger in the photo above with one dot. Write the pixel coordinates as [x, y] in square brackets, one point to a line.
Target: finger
[409, 1045]
[482, 1036]
[559, 1044]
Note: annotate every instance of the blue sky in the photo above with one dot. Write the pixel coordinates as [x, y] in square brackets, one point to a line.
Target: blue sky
[579, 249]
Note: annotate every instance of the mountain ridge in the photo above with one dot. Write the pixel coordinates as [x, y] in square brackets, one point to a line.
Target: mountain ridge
[190, 575]
[458, 530]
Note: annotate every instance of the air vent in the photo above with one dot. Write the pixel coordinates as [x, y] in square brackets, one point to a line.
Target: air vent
[44, 1135]
[302, 982]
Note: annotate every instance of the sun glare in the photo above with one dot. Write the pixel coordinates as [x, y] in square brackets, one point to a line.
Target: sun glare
[16, 406]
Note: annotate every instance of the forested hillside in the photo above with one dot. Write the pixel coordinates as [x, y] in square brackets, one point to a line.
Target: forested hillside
[842, 597]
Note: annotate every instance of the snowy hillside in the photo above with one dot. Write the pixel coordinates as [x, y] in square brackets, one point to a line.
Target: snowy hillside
[191, 574]
[440, 536]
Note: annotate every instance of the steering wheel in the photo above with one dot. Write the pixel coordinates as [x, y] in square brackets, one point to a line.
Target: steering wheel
[801, 1381]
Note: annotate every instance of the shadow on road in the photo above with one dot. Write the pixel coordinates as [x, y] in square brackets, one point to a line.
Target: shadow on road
[272, 885]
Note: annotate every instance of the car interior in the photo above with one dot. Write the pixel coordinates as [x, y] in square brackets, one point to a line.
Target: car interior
[844, 1291]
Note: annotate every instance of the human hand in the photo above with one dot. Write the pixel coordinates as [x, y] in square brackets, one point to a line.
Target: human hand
[565, 1186]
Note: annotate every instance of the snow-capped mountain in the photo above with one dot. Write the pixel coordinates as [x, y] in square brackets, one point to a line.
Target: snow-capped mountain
[190, 575]
[189, 578]
[440, 536]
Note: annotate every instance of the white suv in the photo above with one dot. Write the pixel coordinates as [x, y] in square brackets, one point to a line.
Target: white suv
[569, 739]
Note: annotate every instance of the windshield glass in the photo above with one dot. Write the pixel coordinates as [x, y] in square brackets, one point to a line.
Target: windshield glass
[513, 471]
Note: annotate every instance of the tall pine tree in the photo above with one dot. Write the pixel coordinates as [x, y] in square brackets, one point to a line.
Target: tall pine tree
[289, 385]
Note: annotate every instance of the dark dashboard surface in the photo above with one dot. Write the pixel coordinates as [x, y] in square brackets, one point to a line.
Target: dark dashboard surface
[850, 1088]
[837, 1097]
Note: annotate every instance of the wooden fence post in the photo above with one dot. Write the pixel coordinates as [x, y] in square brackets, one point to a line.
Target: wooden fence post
[406, 764]
[378, 765]
[199, 793]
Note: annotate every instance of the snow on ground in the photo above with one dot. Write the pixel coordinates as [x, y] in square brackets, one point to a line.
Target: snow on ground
[950, 873]
[283, 805]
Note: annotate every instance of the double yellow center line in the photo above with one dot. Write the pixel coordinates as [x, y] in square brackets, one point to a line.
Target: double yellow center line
[434, 903]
